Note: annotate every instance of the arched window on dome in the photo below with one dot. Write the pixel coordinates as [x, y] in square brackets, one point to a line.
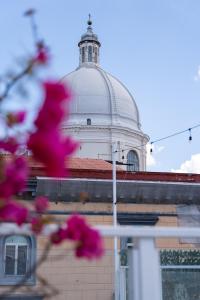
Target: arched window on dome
[90, 53]
[132, 161]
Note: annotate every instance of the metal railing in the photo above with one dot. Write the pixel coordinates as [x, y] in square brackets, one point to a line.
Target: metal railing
[145, 259]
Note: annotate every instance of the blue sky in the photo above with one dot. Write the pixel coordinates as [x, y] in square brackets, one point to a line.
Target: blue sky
[153, 47]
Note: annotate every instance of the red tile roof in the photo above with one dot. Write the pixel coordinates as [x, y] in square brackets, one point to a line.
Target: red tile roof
[100, 169]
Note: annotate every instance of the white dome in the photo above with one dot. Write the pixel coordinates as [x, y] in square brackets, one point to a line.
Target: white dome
[103, 112]
[102, 98]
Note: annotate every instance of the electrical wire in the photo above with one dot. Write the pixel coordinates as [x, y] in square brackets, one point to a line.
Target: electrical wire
[164, 138]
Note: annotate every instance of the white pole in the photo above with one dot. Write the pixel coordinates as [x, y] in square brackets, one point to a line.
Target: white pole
[146, 270]
[116, 259]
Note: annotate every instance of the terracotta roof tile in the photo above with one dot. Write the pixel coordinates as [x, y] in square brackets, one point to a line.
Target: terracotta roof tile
[100, 169]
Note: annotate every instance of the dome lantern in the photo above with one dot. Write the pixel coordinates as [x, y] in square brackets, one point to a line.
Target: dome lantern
[89, 46]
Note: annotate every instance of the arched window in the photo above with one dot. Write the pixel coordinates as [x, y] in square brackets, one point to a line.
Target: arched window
[18, 258]
[83, 55]
[132, 161]
[89, 121]
[95, 55]
[90, 53]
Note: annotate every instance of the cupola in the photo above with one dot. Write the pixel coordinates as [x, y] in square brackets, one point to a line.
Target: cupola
[89, 46]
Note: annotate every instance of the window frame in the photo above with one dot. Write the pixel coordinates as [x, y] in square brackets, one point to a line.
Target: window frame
[135, 162]
[14, 279]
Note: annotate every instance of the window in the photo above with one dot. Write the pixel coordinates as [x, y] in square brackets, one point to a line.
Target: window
[180, 274]
[95, 55]
[18, 257]
[90, 53]
[89, 122]
[132, 161]
[16, 250]
[83, 55]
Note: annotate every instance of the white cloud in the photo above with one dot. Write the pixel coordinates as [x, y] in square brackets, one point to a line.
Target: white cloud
[197, 76]
[151, 157]
[190, 166]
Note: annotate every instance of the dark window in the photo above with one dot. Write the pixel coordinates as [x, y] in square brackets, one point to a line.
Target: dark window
[90, 53]
[16, 255]
[95, 55]
[83, 55]
[89, 122]
[132, 161]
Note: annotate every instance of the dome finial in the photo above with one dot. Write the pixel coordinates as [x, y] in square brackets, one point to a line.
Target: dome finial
[89, 22]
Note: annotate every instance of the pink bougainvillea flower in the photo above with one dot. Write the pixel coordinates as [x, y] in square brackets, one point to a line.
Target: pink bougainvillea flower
[15, 175]
[41, 204]
[9, 145]
[56, 91]
[89, 242]
[58, 236]
[75, 227]
[13, 212]
[37, 224]
[53, 109]
[50, 116]
[91, 245]
[42, 57]
[46, 143]
[15, 118]
[50, 148]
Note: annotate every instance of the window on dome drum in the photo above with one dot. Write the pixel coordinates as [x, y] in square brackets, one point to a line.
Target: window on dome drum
[132, 161]
[18, 256]
[89, 53]
[89, 122]
[180, 274]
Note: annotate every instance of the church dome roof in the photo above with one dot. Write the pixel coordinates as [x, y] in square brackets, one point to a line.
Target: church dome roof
[101, 97]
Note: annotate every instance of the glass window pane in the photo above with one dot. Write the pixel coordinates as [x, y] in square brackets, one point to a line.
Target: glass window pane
[22, 260]
[14, 239]
[10, 260]
[181, 284]
[133, 161]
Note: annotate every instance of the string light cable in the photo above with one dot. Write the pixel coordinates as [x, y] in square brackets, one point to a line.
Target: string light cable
[164, 138]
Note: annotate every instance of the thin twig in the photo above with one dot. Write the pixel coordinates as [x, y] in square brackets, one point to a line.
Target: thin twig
[53, 290]
[16, 79]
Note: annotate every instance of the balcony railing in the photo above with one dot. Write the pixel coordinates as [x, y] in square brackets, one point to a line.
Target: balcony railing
[144, 262]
